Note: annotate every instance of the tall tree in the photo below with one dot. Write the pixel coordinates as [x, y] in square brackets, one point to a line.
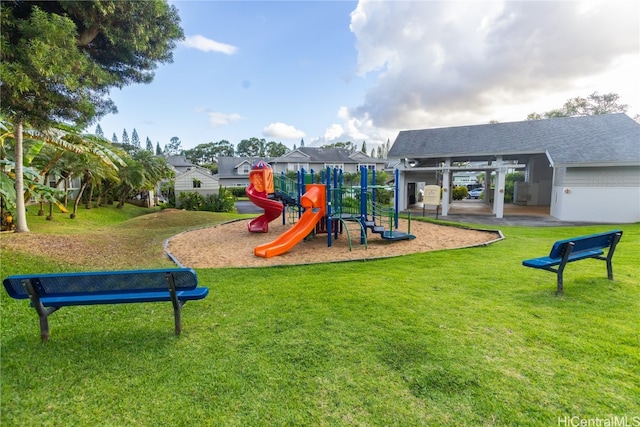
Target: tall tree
[364, 147]
[174, 147]
[302, 142]
[149, 145]
[252, 147]
[99, 131]
[350, 146]
[275, 149]
[135, 139]
[125, 138]
[592, 105]
[158, 149]
[60, 58]
[114, 139]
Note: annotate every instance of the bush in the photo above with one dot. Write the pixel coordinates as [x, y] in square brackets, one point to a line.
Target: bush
[238, 192]
[190, 201]
[221, 202]
[224, 201]
[460, 192]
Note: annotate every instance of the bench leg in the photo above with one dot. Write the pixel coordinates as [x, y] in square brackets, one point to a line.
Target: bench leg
[43, 313]
[612, 250]
[177, 305]
[560, 284]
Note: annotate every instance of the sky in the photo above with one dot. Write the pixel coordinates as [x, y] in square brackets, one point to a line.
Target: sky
[337, 71]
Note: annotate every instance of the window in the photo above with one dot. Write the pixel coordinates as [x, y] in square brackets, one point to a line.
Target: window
[298, 166]
[370, 167]
[197, 183]
[245, 169]
[334, 166]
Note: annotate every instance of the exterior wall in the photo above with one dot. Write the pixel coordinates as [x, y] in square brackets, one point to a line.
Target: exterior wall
[234, 182]
[603, 195]
[184, 183]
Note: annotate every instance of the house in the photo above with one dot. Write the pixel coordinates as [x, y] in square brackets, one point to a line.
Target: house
[191, 178]
[234, 171]
[584, 169]
[318, 158]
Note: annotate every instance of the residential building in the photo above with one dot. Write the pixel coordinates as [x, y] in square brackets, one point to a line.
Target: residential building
[584, 169]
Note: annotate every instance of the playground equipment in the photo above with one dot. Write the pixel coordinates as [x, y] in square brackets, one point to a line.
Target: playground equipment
[325, 207]
[313, 203]
[258, 190]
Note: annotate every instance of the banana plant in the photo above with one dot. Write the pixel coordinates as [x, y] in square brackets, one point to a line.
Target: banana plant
[65, 139]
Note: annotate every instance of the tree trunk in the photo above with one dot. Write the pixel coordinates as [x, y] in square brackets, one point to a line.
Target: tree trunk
[21, 211]
[85, 182]
[88, 204]
[77, 201]
[66, 191]
[50, 216]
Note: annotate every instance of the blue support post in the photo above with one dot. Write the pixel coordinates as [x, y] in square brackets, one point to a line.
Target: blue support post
[397, 173]
[329, 205]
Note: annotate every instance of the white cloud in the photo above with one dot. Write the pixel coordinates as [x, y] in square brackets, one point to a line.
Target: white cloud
[356, 130]
[443, 63]
[222, 119]
[333, 132]
[282, 131]
[207, 45]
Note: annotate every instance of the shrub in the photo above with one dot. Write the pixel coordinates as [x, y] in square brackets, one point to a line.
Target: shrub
[460, 192]
[221, 202]
[224, 201]
[238, 192]
[190, 201]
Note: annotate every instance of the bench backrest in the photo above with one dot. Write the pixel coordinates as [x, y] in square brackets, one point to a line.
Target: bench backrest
[101, 282]
[584, 243]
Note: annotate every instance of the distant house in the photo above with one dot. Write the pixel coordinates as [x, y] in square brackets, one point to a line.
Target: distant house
[582, 168]
[318, 158]
[191, 178]
[234, 171]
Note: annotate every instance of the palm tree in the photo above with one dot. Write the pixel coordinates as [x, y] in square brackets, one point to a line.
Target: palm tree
[132, 179]
[66, 139]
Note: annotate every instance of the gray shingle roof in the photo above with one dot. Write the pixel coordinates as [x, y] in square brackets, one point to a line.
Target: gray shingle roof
[601, 139]
[227, 165]
[323, 155]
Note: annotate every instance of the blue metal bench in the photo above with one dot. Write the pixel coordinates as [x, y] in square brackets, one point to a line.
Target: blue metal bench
[50, 292]
[576, 249]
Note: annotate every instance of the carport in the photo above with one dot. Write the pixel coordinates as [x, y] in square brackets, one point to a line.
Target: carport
[581, 168]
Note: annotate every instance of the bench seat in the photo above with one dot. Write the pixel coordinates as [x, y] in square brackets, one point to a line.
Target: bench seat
[545, 261]
[50, 292]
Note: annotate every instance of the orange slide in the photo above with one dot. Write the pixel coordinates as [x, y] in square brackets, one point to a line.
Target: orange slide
[261, 185]
[272, 210]
[313, 202]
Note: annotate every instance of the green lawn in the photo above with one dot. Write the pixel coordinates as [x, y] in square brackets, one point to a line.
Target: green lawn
[462, 337]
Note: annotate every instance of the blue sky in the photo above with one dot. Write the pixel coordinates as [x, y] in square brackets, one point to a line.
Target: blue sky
[331, 71]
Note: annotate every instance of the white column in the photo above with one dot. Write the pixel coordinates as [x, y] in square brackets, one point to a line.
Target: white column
[402, 189]
[498, 195]
[487, 186]
[446, 187]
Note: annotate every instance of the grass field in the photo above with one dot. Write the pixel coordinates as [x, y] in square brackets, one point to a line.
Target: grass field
[463, 337]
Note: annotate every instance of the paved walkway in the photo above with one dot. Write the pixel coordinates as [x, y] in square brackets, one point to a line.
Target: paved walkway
[477, 212]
